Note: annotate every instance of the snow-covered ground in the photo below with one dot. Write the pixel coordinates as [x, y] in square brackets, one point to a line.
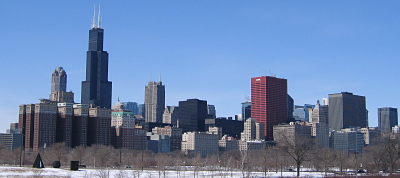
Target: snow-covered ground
[15, 172]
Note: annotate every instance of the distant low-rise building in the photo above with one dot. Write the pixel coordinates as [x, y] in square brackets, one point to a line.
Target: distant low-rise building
[158, 143]
[228, 144]
[10, 141]
[370, 135]
[229, 126]
[200, 143]
[349, 140]
[291, 133]
[174, 133]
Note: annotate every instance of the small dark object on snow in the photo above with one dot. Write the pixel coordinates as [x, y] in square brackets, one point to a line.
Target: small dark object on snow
[56, 164]
[74, 165]
[38, 162]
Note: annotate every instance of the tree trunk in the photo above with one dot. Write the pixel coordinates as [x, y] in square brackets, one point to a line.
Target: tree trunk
[298, 169]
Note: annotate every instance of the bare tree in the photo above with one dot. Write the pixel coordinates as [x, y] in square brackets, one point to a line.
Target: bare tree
[323, 158]
[163, 161]
[340, 159]
[57, 152]
[298, 148]
[78, 153]
[387, 152]
[374, 155]
[101, 155]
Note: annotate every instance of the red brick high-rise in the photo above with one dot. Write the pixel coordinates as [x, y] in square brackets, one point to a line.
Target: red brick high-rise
[269, 102]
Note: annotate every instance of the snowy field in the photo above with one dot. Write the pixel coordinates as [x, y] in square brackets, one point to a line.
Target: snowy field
[16, 172]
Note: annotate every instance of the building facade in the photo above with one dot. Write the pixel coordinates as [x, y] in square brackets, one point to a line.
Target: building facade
[131, 106]
[303, 113]
[246, 110]
[10, 141]
[192, 115]
[348, 140]
[290, 102]
[229, 126]
[59, 87]
[200, 143]
[269, 102]
[252, 130]
[99, 125]
[171, 115]
[320, 125]
[387, 118]
[96, 89]
[347, 110]
[65, 115]
[80, 125]
[292, 133]
[154, 101]
[212, 112]
[59, 80]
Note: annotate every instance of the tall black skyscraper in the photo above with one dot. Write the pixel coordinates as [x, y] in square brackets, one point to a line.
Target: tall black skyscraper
[96, 89]
[192, 115]
[387, 118]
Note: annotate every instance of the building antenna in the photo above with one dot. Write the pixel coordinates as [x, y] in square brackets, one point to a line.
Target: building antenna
[94, 17]
[159, 77]
[98, 18]
[150, 76]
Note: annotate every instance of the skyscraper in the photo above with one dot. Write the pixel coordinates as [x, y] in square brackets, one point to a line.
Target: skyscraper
[192, 115]
[96, 89]
[320, 126]
[269, 102]
[290, 103]
[246, 110]
[347, 110]
[154, 101]
[387, 118]
[38, 122]
[252, 130]
[59, 87]
[99, 125]
[59, 80]
[303, 113]
[212, 113]
[171, 115]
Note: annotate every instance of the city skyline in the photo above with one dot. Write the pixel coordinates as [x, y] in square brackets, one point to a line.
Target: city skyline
[321, 49]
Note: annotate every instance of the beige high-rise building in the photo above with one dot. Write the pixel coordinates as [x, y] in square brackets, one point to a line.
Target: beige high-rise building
[154, 101]
[320, 125]
[252, 130]
[171, 115]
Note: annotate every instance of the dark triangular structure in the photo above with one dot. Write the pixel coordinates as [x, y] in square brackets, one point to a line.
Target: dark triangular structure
[38, 162]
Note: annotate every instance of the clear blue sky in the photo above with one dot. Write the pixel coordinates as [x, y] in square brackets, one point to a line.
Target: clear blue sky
[204, 49]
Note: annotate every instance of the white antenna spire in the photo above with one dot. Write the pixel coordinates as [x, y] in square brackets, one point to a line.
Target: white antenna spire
[98, 18]
[94, 17]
